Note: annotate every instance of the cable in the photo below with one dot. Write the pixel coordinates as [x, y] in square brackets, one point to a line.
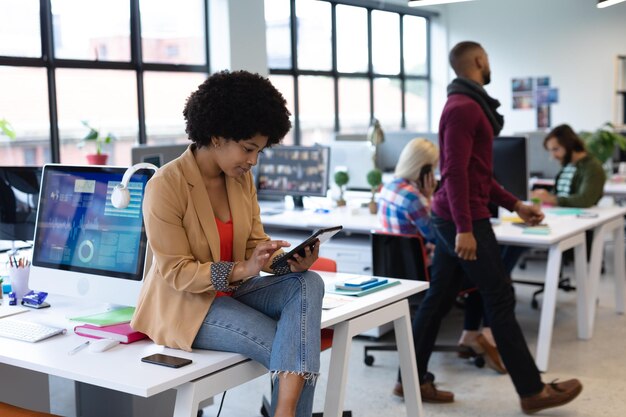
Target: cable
[221, 404]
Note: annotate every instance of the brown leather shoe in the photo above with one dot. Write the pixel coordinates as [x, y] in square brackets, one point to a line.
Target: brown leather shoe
[491, 355]
[553, 394]
[429, 393]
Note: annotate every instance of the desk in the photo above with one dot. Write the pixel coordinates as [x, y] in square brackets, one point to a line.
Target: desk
[566, 232]
[211, 372]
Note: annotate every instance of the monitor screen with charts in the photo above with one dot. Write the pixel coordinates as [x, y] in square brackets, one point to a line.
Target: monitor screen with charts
[83, 245]
[19, 194]
[297, 171]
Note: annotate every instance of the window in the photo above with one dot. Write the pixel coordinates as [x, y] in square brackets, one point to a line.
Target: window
[350, 63]
[89, 70]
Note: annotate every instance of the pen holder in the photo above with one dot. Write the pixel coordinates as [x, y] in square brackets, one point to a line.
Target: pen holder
[19, 280]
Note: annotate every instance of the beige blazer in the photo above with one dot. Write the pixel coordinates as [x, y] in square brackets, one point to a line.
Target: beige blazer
[177, 291]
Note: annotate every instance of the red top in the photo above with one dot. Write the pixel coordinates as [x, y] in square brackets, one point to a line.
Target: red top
[225, 230]
[466, 149]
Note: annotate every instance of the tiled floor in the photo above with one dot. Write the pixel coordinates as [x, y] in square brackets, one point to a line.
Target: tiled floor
[600, 363]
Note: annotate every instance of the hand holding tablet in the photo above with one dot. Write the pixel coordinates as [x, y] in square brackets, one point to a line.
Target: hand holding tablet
[321, 235]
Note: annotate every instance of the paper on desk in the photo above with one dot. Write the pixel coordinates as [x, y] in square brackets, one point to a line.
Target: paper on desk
[6, 310]
[335, 300]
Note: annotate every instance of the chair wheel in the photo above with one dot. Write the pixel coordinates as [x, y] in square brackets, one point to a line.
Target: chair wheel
[264, 412]
[369, 360]
[479, 361]
[534, 304]
[200, 413]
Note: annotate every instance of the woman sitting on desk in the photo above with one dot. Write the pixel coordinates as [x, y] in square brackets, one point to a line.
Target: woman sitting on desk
[404, 208]
[202, 219]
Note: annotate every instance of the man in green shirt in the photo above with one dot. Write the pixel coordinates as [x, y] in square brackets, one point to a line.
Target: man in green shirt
[580, 182]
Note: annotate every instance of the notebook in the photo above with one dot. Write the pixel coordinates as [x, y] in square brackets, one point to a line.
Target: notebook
[121, 332]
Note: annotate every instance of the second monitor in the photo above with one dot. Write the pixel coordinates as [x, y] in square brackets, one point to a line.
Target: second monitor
[297, 171]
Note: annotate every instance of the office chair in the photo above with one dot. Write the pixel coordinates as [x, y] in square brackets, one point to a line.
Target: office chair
[565, 283]
[404, 256]
[7, 410]
[328, 265]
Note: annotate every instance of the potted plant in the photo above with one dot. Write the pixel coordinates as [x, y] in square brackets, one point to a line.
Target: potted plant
[97, 158]
[602, 143]
[341, 179]
[6, 129]
[374, 179]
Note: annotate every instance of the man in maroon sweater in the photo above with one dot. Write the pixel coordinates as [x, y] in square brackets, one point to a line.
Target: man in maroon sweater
[466, 243]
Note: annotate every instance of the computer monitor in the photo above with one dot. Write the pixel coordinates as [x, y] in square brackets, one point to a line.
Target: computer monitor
[355, 158]
[540, 163]
[297, 171]
[388, 152]
[19, 194]
[85, 247]
[510, 164]
[158, 155]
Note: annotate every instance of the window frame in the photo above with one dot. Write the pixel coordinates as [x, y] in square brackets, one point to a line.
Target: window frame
[48, 61]
[370, 75]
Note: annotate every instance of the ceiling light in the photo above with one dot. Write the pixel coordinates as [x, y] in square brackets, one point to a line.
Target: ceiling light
[606, 3]
[419, 3]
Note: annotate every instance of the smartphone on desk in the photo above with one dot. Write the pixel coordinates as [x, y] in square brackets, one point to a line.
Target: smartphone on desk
[166, 360]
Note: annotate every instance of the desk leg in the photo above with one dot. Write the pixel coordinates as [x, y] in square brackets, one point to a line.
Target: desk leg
[338, 370]
[620, 269]
[398, 313]
[548, 306]
[408, 364]
[584, 292]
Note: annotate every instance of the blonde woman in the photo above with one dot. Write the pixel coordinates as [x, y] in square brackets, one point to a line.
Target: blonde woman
[404, 208]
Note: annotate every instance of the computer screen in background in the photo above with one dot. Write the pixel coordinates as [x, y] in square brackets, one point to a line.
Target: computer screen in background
[297, 171]
[510, 164]
[388, 152]
[354, 157]
[158, 155]
[19, 195]
[83, 245]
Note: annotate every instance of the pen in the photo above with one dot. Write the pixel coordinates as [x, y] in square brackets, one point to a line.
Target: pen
[79, 347]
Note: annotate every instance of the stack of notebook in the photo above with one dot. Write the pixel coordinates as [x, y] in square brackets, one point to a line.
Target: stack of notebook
[113, 324]
[362, 285]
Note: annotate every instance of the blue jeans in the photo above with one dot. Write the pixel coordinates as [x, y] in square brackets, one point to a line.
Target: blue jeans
[274, 320]
[489, 275]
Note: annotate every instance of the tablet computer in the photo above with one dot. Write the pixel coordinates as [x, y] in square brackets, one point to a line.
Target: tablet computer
[320, 234]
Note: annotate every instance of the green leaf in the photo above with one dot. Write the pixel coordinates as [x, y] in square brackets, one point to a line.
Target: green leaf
[341, 178]
[7, 129]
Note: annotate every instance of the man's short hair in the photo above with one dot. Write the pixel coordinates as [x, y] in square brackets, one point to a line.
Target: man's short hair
[459, 52]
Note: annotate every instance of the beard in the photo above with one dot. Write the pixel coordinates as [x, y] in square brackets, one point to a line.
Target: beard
[567, 158]
[486, 77]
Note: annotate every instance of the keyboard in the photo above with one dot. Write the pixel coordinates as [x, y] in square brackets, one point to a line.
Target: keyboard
[27, 331]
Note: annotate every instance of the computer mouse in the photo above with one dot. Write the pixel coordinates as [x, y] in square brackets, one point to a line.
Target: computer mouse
[102, 345]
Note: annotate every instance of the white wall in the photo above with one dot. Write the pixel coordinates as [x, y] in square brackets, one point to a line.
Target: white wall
[571, 41]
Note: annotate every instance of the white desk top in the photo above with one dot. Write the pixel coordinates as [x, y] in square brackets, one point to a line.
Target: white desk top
[359, 220]
[120, 368]
[561, 226]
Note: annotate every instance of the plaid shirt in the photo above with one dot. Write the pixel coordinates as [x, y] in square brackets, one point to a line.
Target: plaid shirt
[403, 209]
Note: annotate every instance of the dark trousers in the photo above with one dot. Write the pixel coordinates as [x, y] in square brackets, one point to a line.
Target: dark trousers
[488, 274]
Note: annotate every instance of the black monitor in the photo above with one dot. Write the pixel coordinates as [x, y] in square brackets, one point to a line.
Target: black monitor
[19, 196]
[297, 171]
[510, 164]
[158, 155]
[388, 152]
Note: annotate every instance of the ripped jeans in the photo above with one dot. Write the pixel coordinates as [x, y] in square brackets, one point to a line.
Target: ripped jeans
[274, 320]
